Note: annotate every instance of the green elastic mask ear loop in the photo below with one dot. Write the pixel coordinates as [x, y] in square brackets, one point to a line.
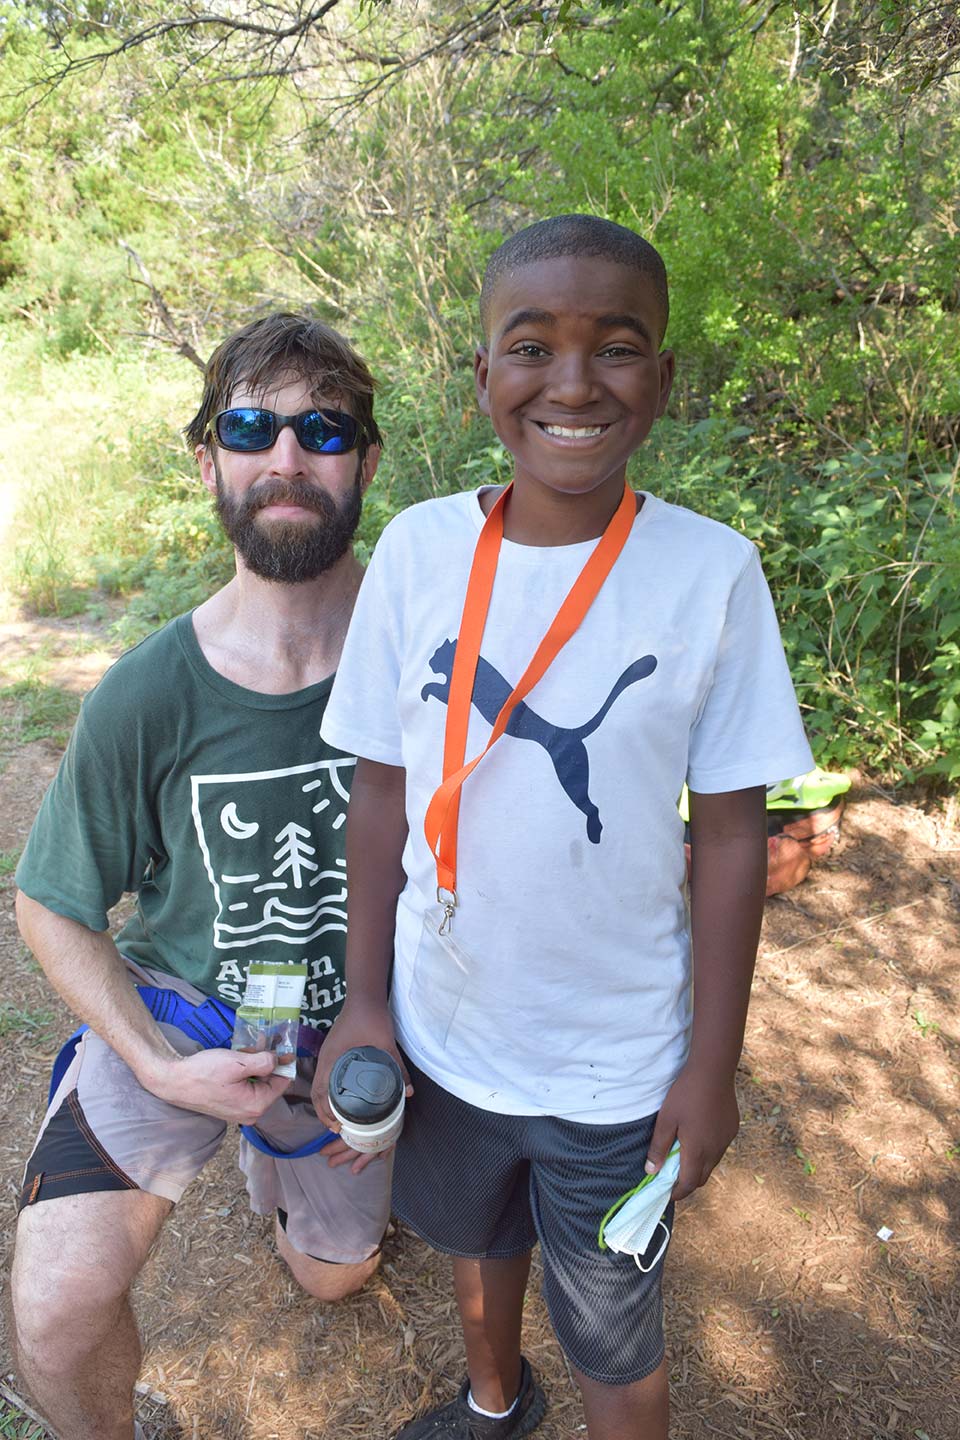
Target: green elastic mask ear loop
[619, 1204]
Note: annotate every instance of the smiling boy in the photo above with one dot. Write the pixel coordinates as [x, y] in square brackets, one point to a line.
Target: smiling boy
[535, 901]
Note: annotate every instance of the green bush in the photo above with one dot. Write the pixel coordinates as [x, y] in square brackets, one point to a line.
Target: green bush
[862, 553]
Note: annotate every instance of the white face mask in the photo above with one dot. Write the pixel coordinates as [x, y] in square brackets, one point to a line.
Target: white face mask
[630, 1226]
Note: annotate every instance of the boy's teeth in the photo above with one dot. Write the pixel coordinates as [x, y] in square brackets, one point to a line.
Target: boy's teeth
[574, 432]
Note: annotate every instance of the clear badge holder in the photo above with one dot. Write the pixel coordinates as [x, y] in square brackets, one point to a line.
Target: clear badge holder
[441, 973]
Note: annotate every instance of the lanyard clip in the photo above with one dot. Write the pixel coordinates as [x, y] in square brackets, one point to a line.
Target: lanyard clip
[448, 899]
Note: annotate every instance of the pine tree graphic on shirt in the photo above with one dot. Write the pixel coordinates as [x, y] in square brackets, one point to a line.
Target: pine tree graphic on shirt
[257, 832]
[294, 853]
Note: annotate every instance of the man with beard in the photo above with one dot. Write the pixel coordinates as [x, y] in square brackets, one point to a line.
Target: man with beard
[196, 778]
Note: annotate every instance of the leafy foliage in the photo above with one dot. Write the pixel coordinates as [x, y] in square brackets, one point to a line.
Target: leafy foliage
[862, 558]
[18, 1426]
[798, 167]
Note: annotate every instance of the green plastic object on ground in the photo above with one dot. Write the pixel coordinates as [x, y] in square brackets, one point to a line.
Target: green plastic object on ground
[813, 791]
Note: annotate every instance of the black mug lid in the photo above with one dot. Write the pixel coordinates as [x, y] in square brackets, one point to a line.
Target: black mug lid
[366, 1084]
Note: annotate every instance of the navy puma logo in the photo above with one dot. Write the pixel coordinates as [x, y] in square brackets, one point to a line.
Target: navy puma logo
[564, 746]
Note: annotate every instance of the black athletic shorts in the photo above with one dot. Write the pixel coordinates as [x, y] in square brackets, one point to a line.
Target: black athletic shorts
[486, 1186]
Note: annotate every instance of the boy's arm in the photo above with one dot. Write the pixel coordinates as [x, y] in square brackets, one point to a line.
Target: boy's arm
[376, 835]
[728, 841]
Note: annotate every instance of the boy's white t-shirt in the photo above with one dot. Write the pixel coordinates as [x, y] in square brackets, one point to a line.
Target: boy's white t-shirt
[567, 991]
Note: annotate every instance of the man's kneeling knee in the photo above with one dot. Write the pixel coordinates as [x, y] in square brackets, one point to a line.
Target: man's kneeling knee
[327, 1280]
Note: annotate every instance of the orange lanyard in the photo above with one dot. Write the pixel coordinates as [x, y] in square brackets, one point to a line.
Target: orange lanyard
[443, 812]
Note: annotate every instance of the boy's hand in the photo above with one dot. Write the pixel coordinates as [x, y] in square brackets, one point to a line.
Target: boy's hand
[700, 1110]
[338, 1153]
[359, 1023]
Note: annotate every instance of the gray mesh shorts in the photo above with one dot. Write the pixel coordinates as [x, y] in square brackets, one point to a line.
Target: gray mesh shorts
[486, 1186]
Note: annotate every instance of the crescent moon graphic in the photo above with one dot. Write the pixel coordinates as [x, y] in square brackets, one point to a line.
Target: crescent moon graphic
[234, 826]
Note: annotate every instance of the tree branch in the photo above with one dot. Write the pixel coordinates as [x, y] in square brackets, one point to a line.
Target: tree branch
[177, 337]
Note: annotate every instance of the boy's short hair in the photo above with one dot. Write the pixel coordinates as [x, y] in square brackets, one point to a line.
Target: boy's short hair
[281, 346]
[579, 235]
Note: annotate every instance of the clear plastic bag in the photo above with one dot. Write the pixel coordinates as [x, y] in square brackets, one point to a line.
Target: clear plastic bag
[269, 1018]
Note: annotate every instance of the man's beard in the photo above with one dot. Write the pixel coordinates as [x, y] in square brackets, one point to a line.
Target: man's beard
[289, 552]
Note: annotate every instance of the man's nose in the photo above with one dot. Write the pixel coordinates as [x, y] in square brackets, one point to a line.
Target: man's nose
[287, 456]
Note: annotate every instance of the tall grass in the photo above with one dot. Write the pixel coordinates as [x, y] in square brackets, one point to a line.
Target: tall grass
[83, 438]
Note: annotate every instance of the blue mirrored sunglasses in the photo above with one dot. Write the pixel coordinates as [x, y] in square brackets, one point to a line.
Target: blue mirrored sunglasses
[248, 428]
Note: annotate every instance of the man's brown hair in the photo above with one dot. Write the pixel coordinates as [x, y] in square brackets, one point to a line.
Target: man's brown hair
[281, 347]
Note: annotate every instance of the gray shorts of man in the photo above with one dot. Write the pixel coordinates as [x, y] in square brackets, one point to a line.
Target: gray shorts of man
[104, 1131]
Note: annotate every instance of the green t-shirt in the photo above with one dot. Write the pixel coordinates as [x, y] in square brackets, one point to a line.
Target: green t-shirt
[221, 808]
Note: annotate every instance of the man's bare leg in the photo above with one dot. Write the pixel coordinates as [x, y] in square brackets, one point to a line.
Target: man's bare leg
[321, 1278]
[76, 1341]
[626, 1412]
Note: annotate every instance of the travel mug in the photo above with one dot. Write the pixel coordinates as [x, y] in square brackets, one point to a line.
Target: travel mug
[367, 1096]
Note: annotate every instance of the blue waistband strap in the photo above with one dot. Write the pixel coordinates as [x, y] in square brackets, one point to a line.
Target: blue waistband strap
[63, 1061]
[210, 1024]
[250, 1133]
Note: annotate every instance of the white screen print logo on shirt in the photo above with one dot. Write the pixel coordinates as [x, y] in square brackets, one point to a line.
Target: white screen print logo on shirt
[269, 886]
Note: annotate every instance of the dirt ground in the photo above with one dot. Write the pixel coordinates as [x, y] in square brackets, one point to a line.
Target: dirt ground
[786, 1315]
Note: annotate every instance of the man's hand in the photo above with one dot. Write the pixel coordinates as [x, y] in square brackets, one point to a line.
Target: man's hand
[89, 973]
[700, 1110]
[226, 1083]
[359, 1023]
